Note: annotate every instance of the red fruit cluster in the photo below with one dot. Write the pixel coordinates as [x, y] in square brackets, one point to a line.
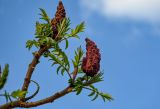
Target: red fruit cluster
[59, 16]
[91, 63]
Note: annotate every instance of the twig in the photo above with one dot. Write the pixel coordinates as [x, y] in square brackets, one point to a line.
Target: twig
[37, 103]
[66, 71]
[31, 68]
[75, 73]
[69, 74]
[90, 89]
[35, 93]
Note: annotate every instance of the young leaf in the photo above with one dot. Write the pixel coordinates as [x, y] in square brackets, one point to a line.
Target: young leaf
[67, 43]
[79, 90]
[31, 43]
[39, 28]
[78, 56]
[63, 28]
[55, 59]
[58, 69]
[18, 93]
[44, 15]
[96, 96]
[92, 93]
[4, 76]
[74, 63]
[79, 28]
[6, 96]
[62, 71]
[106, 96]
[95, 79]
[60, 58]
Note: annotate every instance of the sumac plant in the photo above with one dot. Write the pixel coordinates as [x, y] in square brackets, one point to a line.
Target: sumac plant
[48, 36]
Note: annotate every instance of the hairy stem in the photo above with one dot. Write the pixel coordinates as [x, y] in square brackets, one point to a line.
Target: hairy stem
[31, 68]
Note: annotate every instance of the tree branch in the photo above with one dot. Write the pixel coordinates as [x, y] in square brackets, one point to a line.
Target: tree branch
[31, 68]
[37, 103]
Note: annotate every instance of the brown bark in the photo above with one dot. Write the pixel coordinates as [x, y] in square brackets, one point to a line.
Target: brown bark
[31, 68]
[37, 103]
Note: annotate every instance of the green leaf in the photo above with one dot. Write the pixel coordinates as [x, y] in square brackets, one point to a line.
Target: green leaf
[74, 63]
[79, 90]
[80, 70]
[9, 97]
[79, 28]
[96, 93]
[91, 86]
[43, 31]
[67, 43]
[63, 28]
[54, 63]
[18, 93]
[60, 58]
[4, 76]
[103, 98]
[95, 79]
[39, 28]
[70, 81]
[58, 69]
[62, 71]
[95, 97]
[6, 96]
[44, 15]
[78, 56]
[31, 43]
[55, 59]
[106, 96]
[92, 93]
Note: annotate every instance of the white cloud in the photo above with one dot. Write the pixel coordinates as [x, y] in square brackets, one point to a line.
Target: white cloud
[144, 10]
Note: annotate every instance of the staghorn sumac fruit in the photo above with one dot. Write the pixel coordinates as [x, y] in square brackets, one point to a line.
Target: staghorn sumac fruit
[59, 16]
[91, 63]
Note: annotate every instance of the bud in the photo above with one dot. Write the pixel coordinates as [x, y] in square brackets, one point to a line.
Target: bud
[59, 16]
[91, 63]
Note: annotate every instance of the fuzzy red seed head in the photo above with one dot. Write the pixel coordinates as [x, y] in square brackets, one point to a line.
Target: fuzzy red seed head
[91, 63]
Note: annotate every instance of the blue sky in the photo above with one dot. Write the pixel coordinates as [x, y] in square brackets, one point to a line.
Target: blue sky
[127, 33]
